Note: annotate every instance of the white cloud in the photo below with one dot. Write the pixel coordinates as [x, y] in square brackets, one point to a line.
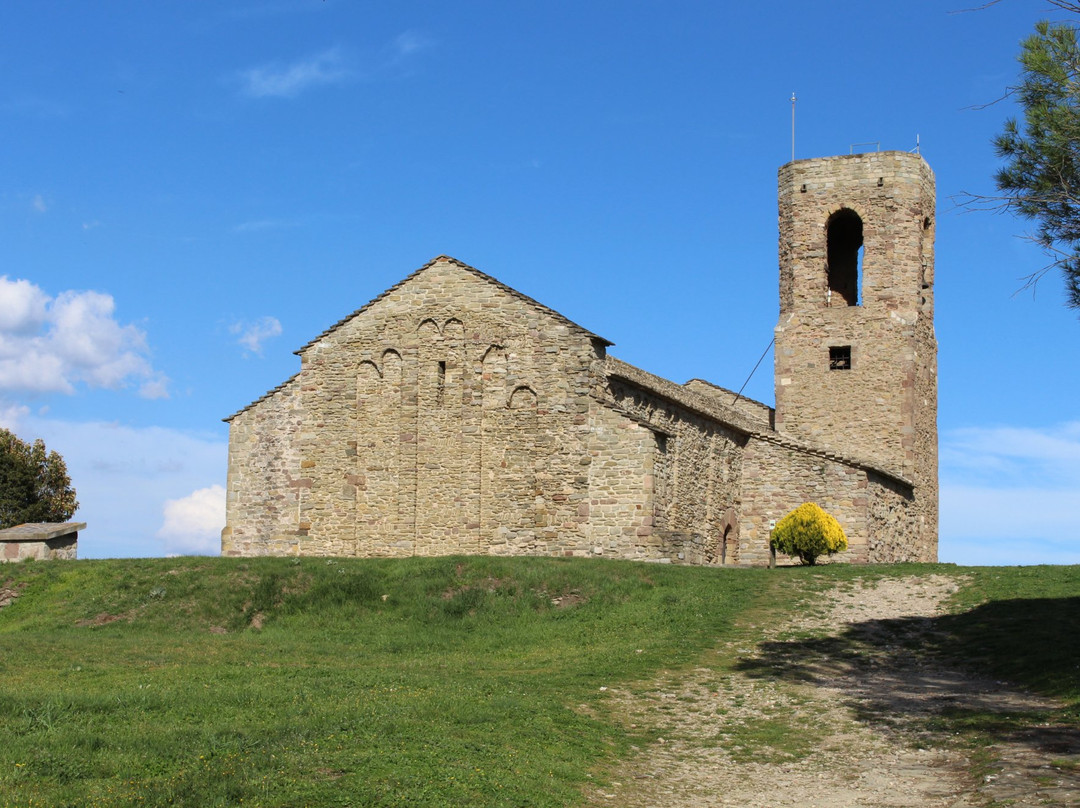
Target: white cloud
[288, 81]
[1010, 494]
[410, 42]
[252, 335]
[124, 477]
[38, 203]
[11, 416]
[22, 306]
[52, 344]
[1022, 451]
[155, 387]
[192, 524]
[1010, 553]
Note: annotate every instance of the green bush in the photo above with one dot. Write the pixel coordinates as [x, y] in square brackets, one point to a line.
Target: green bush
[808, 532]
[34, 485]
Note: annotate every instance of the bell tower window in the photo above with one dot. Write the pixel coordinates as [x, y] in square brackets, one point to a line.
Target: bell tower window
[844, 240]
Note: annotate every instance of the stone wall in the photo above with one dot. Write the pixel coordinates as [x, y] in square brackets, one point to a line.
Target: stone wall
[449, 415]
[883, 405]
[924, 404]
[876, 511]
[778, 478]
[627, 472]
[265, 484]
[761, 415]
[41, 541]
[893, 524]
[697, 484]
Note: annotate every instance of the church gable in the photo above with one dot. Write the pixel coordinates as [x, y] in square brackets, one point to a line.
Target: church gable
[429, 419]
[445, 290]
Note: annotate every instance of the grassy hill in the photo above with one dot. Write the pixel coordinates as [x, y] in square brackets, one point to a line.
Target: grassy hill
[450, 681]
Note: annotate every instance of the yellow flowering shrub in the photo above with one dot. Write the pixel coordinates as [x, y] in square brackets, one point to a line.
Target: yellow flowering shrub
[808, 532]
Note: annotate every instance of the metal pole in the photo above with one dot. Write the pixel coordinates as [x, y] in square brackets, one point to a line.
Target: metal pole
[793, 126]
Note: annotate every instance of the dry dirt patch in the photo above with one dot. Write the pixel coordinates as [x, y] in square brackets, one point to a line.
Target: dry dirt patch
[9, 592]
[831, 710]
[102, 619]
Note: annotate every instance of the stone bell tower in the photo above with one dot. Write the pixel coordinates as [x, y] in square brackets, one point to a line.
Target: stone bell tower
[856, 355]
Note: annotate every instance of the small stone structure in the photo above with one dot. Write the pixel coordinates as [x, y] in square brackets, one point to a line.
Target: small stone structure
[44, 541]
[453, 414]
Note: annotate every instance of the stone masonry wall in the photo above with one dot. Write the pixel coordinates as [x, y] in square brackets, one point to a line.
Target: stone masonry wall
[65, 549]
[449, 415]
[624, 474]
[41, 541]
[893, 524]
[697, 486]
[757, 413]
[777, 479]
[925, 525]
[877, 512]
[265, 484]
[884, 407]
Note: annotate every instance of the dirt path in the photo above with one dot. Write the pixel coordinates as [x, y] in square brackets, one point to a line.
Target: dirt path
[837, 711]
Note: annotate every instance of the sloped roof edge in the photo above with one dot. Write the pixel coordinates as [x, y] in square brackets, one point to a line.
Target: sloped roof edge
[722, 389]
[737, 401]
[264, 396]
[473, 270]
[729, 416]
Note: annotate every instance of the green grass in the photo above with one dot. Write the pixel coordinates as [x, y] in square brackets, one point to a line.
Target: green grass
[1017, 624]
[420, 682]
[1021, 624]
[774, 739]
[417, 682]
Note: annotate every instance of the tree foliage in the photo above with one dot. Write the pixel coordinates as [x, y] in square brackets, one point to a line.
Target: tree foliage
[808, 533]
[1041, 176]
[34, 484]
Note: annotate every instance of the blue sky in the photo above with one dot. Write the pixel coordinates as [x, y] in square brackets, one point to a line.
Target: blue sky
[189, 191]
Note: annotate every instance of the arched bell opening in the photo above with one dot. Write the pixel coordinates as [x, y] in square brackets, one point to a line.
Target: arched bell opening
[844, 257]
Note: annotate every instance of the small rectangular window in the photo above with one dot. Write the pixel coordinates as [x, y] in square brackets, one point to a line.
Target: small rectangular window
[840, 357]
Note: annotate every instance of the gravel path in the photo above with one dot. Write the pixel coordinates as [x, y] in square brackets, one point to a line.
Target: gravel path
[833, 712]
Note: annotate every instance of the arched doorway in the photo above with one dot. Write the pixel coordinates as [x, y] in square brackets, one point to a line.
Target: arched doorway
[728, 550]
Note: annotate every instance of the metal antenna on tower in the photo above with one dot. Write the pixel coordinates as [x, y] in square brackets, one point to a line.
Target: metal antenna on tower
[792, 125]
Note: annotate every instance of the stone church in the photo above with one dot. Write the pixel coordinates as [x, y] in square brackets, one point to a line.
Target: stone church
[453, 414]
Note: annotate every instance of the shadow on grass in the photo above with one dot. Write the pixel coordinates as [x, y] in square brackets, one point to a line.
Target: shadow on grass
[1004, 672]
